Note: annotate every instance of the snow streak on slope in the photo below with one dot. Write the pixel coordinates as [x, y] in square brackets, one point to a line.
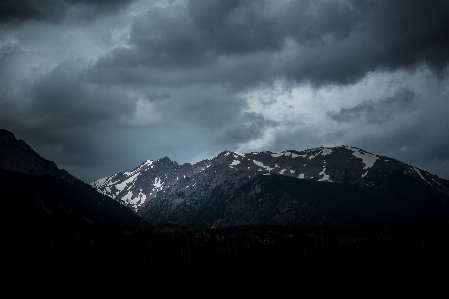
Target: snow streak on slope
[367, 158]
[263, 166]
[419, 173]
[122, 185]
[125, 183]
[325, 176]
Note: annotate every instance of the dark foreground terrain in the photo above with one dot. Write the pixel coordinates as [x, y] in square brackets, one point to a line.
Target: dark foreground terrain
[416, 249]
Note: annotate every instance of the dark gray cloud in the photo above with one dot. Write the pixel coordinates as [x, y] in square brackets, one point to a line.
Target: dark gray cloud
[109, 84]
[63, 99]
[343, 41]
[16, 11]
[322, 42]
[59, 113]
[235, 27]
[55, 11]
[380, 111]
[249, 126]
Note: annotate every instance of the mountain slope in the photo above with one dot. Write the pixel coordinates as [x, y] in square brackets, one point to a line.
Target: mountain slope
[39, 198]
[340, 186]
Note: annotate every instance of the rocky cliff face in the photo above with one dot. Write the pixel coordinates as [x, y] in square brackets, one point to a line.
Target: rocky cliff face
[343, 186]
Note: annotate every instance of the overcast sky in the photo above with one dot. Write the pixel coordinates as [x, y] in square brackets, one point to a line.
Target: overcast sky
[100, 86]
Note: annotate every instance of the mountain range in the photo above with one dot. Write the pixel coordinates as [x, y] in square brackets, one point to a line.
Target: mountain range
[326, 186]
[261, 213]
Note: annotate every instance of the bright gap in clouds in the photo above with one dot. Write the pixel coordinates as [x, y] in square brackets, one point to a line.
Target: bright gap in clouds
[384, 113]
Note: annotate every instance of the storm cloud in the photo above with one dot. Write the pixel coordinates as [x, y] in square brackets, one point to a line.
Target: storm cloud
[378, 111]
[56, 11]
[100, 86]
[322, 42]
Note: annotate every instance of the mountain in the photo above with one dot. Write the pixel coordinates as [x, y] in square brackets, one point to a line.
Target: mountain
[42, 201]
[58, 228]
[340, 186]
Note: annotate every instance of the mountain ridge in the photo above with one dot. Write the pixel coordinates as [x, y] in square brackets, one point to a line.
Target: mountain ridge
[163, 191]
[45, 199]
[16, 155]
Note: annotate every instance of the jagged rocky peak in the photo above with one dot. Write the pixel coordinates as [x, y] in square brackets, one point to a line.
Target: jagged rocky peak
[224, 154]
[136, 187]
[165, 161]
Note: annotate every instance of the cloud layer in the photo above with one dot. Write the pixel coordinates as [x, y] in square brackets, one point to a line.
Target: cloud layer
[100, 86]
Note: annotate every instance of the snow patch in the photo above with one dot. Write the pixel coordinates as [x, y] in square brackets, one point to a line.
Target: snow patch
[234, 163]
[282, 171]
[326, 151]
[313, 156]
[142, 198]
[127, 197]
[158, 183]
[292, 171]
[277, 154]
[367, 158]
[99, 182]
[301, 176]
[325, 176]
[261, 165]
[419, 173]
[125, 183]
[147, 162]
